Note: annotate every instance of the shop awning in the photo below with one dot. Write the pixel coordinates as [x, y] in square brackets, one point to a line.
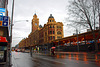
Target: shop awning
[3, 39]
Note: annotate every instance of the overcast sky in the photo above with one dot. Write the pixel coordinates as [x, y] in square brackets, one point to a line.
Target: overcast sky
[25, 9]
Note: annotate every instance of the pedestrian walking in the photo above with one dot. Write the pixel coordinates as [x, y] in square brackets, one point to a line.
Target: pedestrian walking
[89, 48]
[38, 49]
[52, 51]
[31, 52]
[34, 50]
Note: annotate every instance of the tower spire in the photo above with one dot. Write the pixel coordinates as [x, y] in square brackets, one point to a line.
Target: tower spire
[35, 12]
[35, 23]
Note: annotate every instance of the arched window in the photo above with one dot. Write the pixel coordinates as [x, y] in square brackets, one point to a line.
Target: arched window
[50, 20]
[59, 27]
[50, 26]
[58, 37]
[50, 32]
[53, 37]
[50, 37]
[53, 26]
[53, 32]
[58, 32]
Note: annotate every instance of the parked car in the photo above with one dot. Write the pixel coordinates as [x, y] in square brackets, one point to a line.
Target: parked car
[17, 50]
[22, 50]
[27, 51]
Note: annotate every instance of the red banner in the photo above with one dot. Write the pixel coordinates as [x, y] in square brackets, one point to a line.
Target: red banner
[3, 39]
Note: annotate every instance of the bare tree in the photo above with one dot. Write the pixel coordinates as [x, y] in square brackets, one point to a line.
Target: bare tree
[85, 13]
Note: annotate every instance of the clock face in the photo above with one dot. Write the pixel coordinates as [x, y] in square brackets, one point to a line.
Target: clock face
[35, 23]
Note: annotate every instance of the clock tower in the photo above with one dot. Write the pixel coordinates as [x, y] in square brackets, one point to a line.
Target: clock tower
[35, 23]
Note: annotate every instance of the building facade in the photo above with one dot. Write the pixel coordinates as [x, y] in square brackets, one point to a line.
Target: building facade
[44, 35]
[4, 35]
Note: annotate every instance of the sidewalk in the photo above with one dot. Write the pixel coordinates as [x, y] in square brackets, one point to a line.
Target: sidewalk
[79, 53]
[85, 56]
[74, 53]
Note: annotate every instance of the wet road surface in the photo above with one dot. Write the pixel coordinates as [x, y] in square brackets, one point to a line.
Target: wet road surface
[60, 60]
[21, 60]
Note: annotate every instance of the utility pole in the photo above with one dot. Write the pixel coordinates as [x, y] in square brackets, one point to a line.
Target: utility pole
[77, 40]
[10, 62]
[77, 36]
[99, 20]
[58, 45]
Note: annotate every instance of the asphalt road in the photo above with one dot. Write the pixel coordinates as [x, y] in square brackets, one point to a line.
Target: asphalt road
[61, 60]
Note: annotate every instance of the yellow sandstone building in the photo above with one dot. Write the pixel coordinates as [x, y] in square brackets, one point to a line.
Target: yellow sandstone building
[43, 36]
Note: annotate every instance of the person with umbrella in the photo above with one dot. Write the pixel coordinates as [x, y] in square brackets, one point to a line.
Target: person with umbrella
[53, 50]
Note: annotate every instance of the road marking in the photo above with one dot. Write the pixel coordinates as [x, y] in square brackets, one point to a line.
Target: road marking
[51, 60]
[14, 62]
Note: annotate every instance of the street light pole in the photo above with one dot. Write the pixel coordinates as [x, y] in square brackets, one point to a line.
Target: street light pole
[77, 40]
[77, 36]
[10, 63]
[20, 21]
[58, 45]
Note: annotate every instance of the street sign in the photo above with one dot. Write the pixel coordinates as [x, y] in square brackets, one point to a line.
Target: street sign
[0, 23]
[4, 21]
[2, 10]
[1, 18]
[1, 14]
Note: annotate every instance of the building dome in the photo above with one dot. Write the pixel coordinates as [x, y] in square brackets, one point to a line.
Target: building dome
[35, 16]
[51, 16]
[40, 26]
[51, 19]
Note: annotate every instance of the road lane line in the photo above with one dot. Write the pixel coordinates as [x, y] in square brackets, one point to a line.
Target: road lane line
[14, 63]
[51, 60]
